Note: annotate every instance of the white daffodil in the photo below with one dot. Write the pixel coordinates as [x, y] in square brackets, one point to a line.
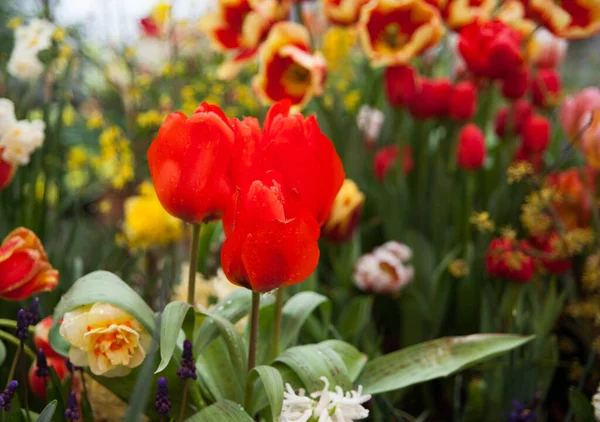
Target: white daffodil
[324, 405]
[30, 39]
[20, 139]
[7, 114]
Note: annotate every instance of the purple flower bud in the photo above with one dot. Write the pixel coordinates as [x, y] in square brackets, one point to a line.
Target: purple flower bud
[22, 331]
[33, 312]
[521, 413]
[72, 413]
[71, 367]
[162, 403]
[41, 369]
[187, 368]
[8, 394]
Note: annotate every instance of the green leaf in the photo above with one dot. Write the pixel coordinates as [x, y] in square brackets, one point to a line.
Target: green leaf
[313, 361]
[223, 411]
[54, 391]
[581, 406]
[2, 352]
[175, 316]
[355, 317]
[353, 358]
[296, 311]
[99, 287]
[433, 359]
[273, 386]
[141, 392]
[48, 412]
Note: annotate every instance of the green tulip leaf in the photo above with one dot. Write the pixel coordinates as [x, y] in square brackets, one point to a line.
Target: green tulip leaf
[174, 317]
[272, 384]
[142, 389]
[48, 412]
[433, 359]
[581, 407]
[297, 310]
[2, 352]
[313, 361]
[223, 411]
[99, 287]
[353, 358]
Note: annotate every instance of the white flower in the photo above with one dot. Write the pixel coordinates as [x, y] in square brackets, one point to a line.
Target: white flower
[30, 39]
[548, 49]
[20, 139]
[369, 121]
[7, 114]
[152, 54]
[331, 406]
[596, 404]
[384, 270]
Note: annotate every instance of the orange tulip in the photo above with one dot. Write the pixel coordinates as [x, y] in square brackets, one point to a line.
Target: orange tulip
[287, 68]
[24, 266]
[392, 32]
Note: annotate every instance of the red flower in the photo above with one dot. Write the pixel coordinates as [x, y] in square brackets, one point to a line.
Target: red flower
[40, 338]
[491, 49]
[37, 384]
[514, 86]
[24, 266]
[471, 148]
[463, 101]
[385, 159]
[432, 99]
[442, 91]
[565, 18]
[272, 239]
[189, 163]
[536, 134]
[7, 171]
[536, 159]
[549, 246]
[149, 27]
[545, 87]
[511, 120]
[401, 85]
[506, 258]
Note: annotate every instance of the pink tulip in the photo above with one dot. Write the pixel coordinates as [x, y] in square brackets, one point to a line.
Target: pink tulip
[575, 111]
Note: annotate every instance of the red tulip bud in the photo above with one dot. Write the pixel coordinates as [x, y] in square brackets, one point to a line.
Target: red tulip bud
[515, 85]
[536, 134]
[545, 87]
[471, 148]
[401, 84]
[463, 101]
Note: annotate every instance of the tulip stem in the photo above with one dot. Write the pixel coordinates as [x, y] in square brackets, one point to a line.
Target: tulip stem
[277, 320]
[12, 339]
[24, 378]
[193, 265]
[183, 400]
[252, 349]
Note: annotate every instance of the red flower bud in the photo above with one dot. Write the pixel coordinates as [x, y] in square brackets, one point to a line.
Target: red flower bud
[515, 85]
[505, 56]
[401, 85]
[536, 134]
[507, 258]
[442, 92]
[545, 87]
[385, 159]
[471, 148]
[7, 171]
[189, 162]
[40, 338]
[425, 104]
[37, 384]
[463, 101]
[519, 113]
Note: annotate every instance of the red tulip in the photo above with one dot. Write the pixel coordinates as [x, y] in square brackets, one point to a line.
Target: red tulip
[536, 134]
[545, 87]
[519, 113]
[189, 162]
[442, 91]
[549, 245]
[37, 384]
[471, 148]
[401, 85]
[7, 171]
[536, 159]
[272, 237]
[24, 266]
[505, 56]
[506, 258]
[386, 157]
[515, 85]
[424, 105]
[40, 338]
[463, 101]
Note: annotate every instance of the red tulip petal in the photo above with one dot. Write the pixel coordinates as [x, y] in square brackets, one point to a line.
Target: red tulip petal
[43, 282]
[18, 269]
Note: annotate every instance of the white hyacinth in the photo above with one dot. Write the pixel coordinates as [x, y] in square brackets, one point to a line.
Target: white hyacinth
[384, 270]
[30, 39]
[369, 120]
[18, 139]
[324, 405]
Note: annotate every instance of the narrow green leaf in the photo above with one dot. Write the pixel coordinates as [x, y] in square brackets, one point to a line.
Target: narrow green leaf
[353, 358]
[48, 412]
[216, 374]
[581, 406]
[175, 316]
[313, 361]
[99, 287]
[2, 352]
[223, 411]
[355, 317]
[142, 390]
[295, 312]
[433, 359]
[54, 391]
[273, 386]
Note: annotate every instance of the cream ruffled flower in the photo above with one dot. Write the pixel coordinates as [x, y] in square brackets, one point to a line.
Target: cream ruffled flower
[324, 406]
[30, 39]
[7, 114]
[384, 270]
[20, 139]
[105, 338]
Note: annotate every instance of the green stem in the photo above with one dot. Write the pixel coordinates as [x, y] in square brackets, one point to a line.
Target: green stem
[182, 409]
[24, 378]
[13, 324]
[252, 349]
[13, 368]
[193, 265]
[276, 333]
[469, 193]
[12, 339]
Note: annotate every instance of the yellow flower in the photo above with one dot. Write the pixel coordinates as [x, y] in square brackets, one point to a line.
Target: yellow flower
[482, 221]
[187, 93]
[337, 44]
[161, 13]
[49, 189]
[95, 120]
[147, 223]
[591, 273]
[59, 34]
[77, 179]
[77, 158]
[150, 118]
[458, 268]
[68, 115]
[105, 338]
[14, 23]
[352, 100]
[345, 213]
[518, 171]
